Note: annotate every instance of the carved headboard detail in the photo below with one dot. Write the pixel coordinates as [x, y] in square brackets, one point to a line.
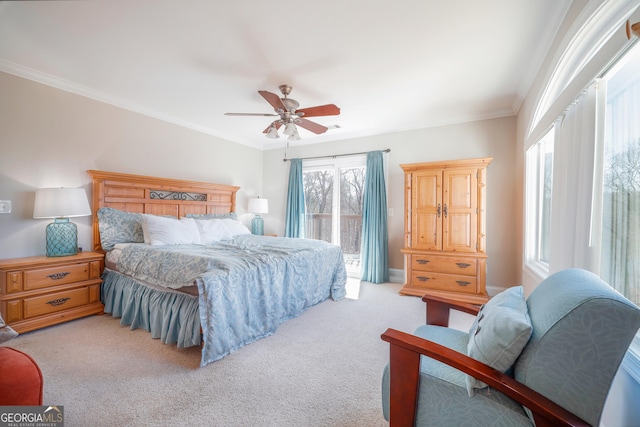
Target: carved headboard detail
[158, 196]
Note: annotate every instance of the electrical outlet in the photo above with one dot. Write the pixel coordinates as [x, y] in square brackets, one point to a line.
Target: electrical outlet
[5, 206]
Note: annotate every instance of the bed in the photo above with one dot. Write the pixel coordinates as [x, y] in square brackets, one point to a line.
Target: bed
[180, 265]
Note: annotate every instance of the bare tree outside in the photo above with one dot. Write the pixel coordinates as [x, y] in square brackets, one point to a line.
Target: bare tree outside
[352, 191]
[318, 197]
[620, 265]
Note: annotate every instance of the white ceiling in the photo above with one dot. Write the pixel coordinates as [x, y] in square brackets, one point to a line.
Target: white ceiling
[389, 65]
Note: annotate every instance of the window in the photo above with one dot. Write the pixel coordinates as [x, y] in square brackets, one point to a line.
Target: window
[620, 248]
[615, 223]
[539, 178]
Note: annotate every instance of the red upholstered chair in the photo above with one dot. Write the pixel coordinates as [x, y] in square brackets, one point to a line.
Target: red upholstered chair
[20, 379]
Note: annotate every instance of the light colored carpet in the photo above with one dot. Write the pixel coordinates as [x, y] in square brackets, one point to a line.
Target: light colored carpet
[322, 368]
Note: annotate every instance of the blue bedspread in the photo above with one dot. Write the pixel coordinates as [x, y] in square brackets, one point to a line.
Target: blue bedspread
[247, 286]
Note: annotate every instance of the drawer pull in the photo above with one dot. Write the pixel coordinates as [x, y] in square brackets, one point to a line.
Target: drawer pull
[422, 278]
[463, 264]
[59, 301]
[58, 276]
[422, 261]
[463, 283]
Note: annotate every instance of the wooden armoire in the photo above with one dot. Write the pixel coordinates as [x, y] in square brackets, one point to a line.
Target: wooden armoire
[444, 245]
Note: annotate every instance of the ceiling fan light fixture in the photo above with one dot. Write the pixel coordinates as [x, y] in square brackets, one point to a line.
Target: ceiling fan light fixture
[273, 133]
[290, 129]
[295, 136]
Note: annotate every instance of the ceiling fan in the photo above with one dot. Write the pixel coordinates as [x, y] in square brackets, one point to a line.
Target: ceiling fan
[290, 116]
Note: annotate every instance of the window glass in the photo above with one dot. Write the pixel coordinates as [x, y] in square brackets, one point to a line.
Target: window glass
[539, 180]
[334, 191]
[620, 249]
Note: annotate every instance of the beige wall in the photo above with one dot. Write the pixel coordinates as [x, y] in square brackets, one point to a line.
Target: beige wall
[50, 138]
[488, 138]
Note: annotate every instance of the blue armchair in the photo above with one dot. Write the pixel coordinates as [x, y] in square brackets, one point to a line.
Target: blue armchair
[570, 337]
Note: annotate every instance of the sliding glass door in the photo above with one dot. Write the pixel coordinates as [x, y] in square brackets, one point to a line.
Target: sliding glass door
[334, 190]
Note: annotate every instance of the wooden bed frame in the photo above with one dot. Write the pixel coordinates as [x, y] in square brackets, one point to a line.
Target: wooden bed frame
[158, 196]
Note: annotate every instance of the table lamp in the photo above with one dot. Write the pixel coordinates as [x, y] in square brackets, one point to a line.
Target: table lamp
[61, 204]
[258, 206]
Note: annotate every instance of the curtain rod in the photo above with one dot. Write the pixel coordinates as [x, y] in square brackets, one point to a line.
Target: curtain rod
[335, 155]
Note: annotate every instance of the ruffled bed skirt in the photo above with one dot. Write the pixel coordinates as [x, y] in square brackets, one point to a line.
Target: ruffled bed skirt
[173, 317]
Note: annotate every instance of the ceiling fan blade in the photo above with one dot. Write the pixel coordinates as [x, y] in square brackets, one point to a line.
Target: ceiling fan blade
[250, 114]
[320, 110]
[277, 125]
[311, 126]
[273, 99]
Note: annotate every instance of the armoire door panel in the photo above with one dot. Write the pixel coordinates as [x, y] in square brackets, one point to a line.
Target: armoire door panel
[460, 215]
[461, 188]
[427, 190]
[460, 233]
[427, 210]
[427, 232]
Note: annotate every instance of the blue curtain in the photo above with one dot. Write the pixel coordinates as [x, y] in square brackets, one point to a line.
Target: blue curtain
[375, 239]
[294, 224]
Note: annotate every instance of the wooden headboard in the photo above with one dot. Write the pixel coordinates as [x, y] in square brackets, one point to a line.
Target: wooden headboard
[158, 196]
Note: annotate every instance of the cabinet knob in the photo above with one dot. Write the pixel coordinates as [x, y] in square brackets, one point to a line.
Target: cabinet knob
[463, 282]
[422, 278]
[463, 264]
[422, 261]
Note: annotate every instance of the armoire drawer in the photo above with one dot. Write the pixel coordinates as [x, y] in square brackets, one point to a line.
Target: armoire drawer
[444, 282]
[443, 264]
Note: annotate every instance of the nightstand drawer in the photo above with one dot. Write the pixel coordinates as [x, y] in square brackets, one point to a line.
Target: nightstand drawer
[54, 276]
[51, 303]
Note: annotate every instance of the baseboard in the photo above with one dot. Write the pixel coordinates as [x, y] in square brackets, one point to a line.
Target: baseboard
[396, 275]
[493, 290]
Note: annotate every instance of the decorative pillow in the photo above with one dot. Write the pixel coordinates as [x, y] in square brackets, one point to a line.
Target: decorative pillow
[212, 230]
[499, 333]
[236, 227]
[170, 231]
[231, 215]
[119, 227]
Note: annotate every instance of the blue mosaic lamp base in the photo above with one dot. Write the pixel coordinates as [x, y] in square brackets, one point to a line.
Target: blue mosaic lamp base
[62, 238]
[257, 225]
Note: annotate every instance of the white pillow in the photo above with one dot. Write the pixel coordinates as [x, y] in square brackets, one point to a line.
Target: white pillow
[212, 230]
[236, 227]
[160, 230]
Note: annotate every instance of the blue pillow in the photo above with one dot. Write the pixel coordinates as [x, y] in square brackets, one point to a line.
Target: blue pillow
[119, 227]
[500, 331]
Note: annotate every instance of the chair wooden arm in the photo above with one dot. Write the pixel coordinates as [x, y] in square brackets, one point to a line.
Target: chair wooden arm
[405, 351]
[438, 309]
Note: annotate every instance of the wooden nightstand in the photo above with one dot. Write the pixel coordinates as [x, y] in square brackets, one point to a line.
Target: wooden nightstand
[41, 291]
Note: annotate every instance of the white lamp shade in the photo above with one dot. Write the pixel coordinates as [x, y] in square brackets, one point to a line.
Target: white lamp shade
[273, 133]
[289, 129]
[61, 203]
[259, 206]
